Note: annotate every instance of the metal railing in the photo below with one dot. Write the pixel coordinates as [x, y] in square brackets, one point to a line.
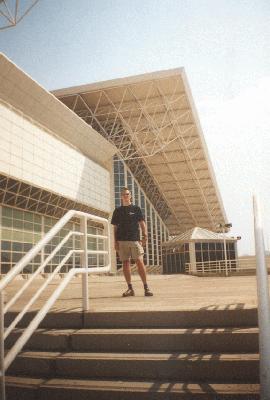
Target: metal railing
[213, 267]
[242, 265]
[263, 304]
[7, 358]
[248, 264]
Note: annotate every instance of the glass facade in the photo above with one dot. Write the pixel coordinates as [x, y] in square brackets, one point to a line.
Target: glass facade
[157, 231]
[21, 230]
[174, 259]
[120, 180]
[214, 251]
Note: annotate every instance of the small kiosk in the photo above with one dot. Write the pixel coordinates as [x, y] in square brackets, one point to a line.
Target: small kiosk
[199, 251]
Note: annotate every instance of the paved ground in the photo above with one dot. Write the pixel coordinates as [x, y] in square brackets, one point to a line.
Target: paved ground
[171, 292]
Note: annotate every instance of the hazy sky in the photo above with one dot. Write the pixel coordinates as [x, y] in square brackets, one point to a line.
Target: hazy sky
[224, 46]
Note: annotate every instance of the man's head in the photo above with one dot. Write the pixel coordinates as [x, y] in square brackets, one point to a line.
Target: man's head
[125, 196]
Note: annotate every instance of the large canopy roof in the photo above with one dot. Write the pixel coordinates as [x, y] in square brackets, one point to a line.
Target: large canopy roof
[198, 234]
[153, 122]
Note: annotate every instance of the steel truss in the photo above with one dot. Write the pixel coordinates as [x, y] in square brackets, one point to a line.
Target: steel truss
[153, 126]
[15, 193]
[13, 11]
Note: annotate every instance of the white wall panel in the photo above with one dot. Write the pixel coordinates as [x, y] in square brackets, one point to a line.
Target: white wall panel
[30, 153]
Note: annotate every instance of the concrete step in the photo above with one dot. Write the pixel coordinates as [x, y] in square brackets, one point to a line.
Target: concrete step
[203, 318]
[191, 367]
[204, 340]
[26, 388]
[151, 270]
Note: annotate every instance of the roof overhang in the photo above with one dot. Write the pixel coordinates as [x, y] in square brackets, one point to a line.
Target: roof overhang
[153, 122]
[198, 235]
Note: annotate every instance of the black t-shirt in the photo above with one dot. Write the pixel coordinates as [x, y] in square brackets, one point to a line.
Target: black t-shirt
[127, 218]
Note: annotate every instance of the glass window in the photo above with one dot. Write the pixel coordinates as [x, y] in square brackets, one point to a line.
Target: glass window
[231, 246]
[6, 257]
[27, 247]
[205, 246]
[6, 222]
[28, 216]
[17, 214]
[219, 246]
[5, 268]
[198, 256]
[142, 198]
[212, 246]
[212, 256]
[7, 212]
[205, 256]
[129, 181]
[6, 245]
[136, 193]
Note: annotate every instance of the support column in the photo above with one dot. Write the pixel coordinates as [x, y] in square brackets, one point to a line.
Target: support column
[192, 258]
[112, 206]
[84, 262]
[263, 303]
[2, 351]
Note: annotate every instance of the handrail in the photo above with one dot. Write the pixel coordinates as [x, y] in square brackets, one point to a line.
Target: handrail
[36, 295]
[43, 311]
[6, 360]
[2, 349]
[214, 266]
[263, 304]
[40, 268]
[46, 239]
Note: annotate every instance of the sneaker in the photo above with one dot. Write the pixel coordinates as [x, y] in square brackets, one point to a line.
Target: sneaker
[147, 292]
[129, 292]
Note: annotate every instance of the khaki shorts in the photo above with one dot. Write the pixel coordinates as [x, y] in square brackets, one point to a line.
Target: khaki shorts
[129, 250]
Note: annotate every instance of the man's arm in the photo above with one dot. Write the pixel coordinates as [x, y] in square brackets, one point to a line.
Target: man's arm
[144, 232]
[116, 244]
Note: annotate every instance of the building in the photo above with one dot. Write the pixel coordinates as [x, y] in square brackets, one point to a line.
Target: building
[199, 251]
[50, 161]
[76, 147]
[162, 156]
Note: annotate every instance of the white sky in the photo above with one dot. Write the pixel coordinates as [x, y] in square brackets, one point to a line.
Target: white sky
[224, 46]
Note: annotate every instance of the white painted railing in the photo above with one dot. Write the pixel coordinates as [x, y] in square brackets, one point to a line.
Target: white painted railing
[7, 358]
[241, 265]
[263, 304]
[214, 267]
[249, 263]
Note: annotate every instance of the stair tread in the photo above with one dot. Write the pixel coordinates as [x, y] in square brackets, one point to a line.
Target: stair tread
[141, 356]
[139, 386]
[166, 331]
[126, 331]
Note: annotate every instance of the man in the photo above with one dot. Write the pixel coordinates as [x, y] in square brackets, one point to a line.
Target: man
[127, 221]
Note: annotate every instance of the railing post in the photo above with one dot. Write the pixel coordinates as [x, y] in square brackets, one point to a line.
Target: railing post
[83, 228]
[107, 233]
[2, 351]
[225, 250]
[73, 246]
[263, 304]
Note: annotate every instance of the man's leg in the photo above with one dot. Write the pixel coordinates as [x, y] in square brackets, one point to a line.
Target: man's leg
[127, 275]
[142, 272]
[127, 271]
[141, 269]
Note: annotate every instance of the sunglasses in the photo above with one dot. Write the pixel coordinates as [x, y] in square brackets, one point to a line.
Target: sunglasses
[126, 194]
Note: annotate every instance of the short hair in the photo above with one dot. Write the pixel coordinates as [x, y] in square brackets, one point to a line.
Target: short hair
[124, 189]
